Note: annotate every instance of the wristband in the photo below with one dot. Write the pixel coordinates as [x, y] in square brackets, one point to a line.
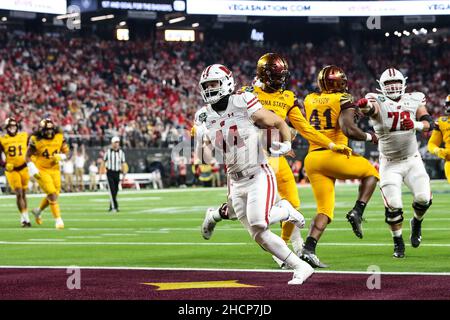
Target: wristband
[368, 137]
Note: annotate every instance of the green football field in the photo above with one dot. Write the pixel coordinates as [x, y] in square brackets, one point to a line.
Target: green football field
[162, 229]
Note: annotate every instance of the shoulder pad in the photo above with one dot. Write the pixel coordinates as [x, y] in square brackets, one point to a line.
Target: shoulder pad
[417, 96]
[248, 96]
[200, 115]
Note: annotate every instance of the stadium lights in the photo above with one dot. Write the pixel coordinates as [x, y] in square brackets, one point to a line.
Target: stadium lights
[159, 24]
[4, 19]
[434, 30]
[44, 20]
[99, 18]
[195, 25]
[175, 20]
[415, 31]
[423, 31]
[387, 34]
[406, 33]
[67, 16]
[122, 23]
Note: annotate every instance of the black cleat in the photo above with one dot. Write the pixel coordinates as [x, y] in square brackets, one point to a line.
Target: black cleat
[26, 224]
[416, 232]
[399, 247]
[355, 220]
[311, 258]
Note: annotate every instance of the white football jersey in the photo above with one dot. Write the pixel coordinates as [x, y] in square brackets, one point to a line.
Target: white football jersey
[393, 142]
[233, 135]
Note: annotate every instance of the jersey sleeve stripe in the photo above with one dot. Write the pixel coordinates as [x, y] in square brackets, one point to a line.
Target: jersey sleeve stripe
[253, 104]
[251, 101]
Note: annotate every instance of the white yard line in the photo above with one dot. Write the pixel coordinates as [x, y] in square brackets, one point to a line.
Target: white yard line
[234, 244]
[223, 270]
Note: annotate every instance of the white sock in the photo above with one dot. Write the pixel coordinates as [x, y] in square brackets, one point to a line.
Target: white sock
[216, 215]
[59, 221]
[420, 218]
[24, 217]
[397, 233]
[296, 235]
[277, 214]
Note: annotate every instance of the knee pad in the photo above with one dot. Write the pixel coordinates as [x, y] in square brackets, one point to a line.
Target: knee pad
[422, 207]
[393, 216]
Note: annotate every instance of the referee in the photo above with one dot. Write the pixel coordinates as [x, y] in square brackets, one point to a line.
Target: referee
[115, 163]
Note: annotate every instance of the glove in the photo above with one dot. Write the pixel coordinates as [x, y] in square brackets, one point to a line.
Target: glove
[371, 136]
[59, 157]
[407, 124]
[365, 106]
[9, 167]
[441, 153]
[340, 148]
[33, 171]
[284, 147]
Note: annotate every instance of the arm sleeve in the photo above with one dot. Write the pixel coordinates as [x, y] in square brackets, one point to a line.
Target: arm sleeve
[435, 139]
[305, 129]
[251, 102]
[123, 157]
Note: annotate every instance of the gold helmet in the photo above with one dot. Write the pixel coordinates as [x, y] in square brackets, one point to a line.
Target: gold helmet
[47, 128]
[11, 123]
[332, 79]
[447, 105]
[272, 71]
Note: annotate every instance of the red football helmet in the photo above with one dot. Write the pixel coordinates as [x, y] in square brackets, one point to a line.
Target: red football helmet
[272, 71]
[332, 79]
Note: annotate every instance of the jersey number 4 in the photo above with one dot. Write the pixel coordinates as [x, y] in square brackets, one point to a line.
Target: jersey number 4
[47, 155]
[314, 119]
[234, 139]
[397, 115]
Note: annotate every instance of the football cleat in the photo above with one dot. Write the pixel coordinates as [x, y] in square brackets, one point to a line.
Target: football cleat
[59, 225]
[311, 258]
[208, 224]
[37, 215]
[26, 224]
[399, 247]
[301, 274]
[283, 265]
[355, 220]
[416, 232]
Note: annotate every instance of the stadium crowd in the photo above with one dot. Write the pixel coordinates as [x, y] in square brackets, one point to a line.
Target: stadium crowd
[146, 92]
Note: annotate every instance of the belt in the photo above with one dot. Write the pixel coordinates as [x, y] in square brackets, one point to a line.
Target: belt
[247, 173]
[399, 159]
[19, 168]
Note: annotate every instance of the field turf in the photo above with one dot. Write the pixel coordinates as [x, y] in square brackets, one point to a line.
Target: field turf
[162, 229]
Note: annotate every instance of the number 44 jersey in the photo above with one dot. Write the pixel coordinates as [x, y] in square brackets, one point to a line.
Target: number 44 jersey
[233, 134]
[395, 143]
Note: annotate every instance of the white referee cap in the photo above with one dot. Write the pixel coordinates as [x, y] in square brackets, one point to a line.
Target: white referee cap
[115, 139]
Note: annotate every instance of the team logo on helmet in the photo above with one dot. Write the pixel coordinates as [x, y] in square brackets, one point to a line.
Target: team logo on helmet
[11, 126]
[332, 79]
[272, 71]
[215, 83]
[47, 128]
[392, 83]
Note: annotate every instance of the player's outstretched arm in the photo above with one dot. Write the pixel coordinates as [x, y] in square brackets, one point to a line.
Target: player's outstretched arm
[351, 130]
[312, 135]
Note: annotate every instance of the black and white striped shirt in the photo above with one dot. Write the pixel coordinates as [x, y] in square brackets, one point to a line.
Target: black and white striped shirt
[114, 159]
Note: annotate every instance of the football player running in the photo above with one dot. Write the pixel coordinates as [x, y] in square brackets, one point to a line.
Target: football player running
[232, 126]
[332, 111]
[14, 145]
[272, 75]
[441, 133]
[396, 117]
[48, 147]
